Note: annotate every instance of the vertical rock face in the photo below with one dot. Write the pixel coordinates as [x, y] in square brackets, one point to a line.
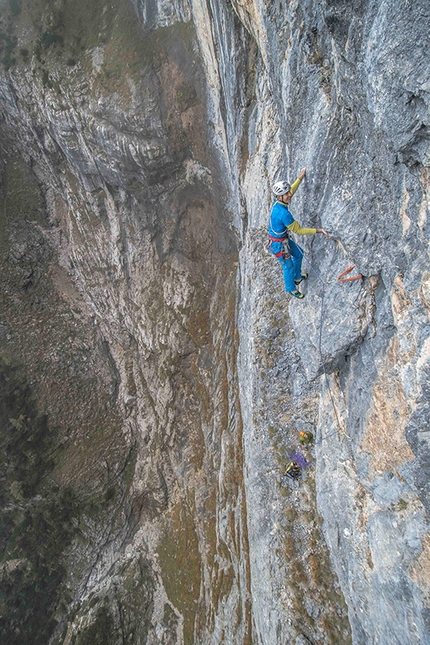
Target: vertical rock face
[347, 95]
[154, 374]
[118, 245]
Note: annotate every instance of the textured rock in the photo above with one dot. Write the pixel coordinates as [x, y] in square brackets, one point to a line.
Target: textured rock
[126, 173]
[372, 199]
[139, 142]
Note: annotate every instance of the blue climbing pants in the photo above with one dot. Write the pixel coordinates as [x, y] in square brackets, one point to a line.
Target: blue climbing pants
[292, 266]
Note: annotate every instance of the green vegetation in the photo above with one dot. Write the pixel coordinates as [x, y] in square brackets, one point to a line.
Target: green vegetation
[7, 47]
[8, 41]
[36, 517]
[46, 80]
[101, 632]
[180, 566]
[401, 505]
[49, 38]
[15, 7]
[318, 59]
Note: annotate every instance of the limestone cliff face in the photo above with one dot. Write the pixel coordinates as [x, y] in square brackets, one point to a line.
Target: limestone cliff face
[155, 375]
[346, 88]
[127, 241]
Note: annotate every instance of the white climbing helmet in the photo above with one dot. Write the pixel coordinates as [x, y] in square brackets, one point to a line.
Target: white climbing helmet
[281, 188]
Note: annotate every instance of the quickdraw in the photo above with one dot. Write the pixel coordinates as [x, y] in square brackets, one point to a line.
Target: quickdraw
[341, 278]
[286, 249]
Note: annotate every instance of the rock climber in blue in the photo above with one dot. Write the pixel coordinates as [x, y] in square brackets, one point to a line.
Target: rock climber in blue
[281, 223]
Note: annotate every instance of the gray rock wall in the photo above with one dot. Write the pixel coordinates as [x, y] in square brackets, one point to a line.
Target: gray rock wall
[107, 115]
[151, 133]
[343, 90]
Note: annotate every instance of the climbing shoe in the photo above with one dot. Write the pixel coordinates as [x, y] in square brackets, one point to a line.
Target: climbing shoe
[304, 276]
[297, 294]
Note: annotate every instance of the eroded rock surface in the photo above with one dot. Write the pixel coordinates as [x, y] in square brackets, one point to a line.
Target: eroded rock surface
[149, 347]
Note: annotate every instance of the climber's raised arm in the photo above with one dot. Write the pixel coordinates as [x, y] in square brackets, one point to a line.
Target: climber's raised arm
[298, 181]
[281, 223]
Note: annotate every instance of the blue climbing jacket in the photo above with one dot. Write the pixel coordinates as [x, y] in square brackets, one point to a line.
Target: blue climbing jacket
[280, 219]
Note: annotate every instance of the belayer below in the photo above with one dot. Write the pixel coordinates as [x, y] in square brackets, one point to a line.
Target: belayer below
[281, 223]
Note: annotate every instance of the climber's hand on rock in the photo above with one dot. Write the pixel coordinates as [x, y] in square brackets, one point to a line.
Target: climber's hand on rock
[321, 230]
[302, 173]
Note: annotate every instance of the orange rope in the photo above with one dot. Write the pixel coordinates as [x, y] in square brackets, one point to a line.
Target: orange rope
[356, 277]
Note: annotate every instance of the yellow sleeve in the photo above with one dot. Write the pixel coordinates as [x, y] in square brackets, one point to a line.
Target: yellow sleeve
[296, 228]
[295, 185]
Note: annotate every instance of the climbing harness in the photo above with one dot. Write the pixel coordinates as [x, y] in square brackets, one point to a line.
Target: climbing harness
[284, 252]
[274, 238]
[341, 278]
